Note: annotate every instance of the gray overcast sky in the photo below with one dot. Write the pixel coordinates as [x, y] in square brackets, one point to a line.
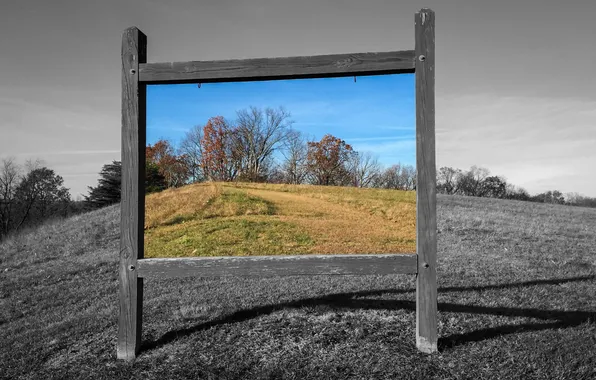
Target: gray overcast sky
[515, 88]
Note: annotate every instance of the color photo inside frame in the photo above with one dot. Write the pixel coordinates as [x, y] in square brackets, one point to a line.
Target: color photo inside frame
[308, 166]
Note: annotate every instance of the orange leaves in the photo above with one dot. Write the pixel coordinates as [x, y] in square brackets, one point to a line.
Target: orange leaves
[215, 160]
[171, 166]
[327, 160]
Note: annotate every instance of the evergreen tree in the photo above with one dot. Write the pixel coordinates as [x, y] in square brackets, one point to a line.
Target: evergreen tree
[107, 191]
[154, 180]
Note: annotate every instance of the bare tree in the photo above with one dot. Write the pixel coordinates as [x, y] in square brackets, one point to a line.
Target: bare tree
[408, 175]
[295, 154]
[447, 180]
[365, 169]
[577, 199]
[259, 134]
[9, 177]
[470, 183]
[399, 176]
[191, 150]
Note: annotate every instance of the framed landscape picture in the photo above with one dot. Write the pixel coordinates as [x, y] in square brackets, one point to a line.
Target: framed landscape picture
[305, 166]
[266, 169]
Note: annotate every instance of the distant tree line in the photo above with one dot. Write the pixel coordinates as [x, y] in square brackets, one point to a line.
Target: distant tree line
[245, 150]
[259, 146]
[31, 194]
[478, 182]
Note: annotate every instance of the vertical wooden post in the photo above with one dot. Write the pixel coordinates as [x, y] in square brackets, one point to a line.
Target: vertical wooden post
[426, 203]
[134, 51]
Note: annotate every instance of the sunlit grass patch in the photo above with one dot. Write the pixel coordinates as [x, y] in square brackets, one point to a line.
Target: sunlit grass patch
[200, 201]
[234, 202]
[330, 220]
[174, 206]
[230, 236]
[397, 206]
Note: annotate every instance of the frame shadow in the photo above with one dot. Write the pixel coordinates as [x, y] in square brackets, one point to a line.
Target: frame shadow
[347, 300]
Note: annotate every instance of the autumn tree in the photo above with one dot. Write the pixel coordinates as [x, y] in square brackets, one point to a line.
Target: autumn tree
[108, 188]
[257, 135]
[221, 154]
[172, 167]
[327, 161]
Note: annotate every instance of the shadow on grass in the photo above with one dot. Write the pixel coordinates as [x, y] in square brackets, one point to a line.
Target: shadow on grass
[350, 300]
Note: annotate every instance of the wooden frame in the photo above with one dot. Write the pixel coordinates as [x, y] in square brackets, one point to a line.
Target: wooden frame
[137, 73]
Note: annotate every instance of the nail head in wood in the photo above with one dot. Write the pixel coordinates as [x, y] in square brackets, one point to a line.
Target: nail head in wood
[422, 58]
[132, 267]
[425, 265]
[133, 71]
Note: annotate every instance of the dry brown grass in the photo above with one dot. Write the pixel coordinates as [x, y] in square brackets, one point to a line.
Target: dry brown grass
[167, 206]
[336, 228]
[394, 205]
[252, 219]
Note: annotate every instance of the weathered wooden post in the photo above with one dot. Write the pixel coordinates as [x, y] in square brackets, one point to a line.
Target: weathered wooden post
[426, 198]
[132, 206]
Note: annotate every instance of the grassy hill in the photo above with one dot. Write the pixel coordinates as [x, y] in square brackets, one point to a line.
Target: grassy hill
[516, 300]
[221, 219]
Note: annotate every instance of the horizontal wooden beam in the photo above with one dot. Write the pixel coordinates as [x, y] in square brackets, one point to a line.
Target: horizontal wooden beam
[287, 265]
[318, 66]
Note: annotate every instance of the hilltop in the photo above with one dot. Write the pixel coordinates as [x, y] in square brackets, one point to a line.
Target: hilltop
[516, 281]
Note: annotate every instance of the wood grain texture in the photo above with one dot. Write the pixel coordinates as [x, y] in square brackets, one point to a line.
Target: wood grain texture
[134, 44]
[426, 204]
[319, 66]
[288, 265]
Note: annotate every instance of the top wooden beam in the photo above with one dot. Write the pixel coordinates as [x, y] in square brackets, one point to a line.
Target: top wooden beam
[318, 66]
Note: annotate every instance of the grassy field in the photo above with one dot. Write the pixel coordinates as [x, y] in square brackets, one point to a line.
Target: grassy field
[225, 219]
[516, 301]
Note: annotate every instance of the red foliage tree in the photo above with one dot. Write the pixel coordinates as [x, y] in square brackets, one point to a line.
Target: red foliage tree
[219, 161]
[172, 167]
[327, 161]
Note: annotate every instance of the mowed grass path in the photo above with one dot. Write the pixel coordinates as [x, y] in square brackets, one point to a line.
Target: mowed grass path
[247, 219]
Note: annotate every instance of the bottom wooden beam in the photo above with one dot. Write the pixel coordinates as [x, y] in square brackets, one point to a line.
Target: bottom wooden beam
[288, 265]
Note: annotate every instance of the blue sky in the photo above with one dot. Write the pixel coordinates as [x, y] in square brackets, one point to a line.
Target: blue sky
[374, 114]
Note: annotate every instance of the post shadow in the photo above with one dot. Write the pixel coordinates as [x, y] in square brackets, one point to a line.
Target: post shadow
[351, 300]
